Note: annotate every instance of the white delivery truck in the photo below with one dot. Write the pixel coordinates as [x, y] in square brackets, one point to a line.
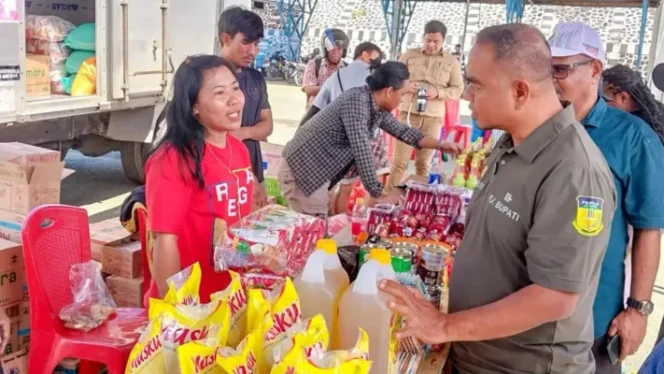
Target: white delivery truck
[138, 43]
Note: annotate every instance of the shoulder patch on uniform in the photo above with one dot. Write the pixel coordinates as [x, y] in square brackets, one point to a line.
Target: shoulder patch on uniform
[588, 221]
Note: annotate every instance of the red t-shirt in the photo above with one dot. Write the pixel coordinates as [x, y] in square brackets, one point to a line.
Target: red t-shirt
[178, 206]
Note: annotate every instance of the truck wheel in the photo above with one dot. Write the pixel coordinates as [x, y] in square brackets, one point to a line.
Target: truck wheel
[135, 154]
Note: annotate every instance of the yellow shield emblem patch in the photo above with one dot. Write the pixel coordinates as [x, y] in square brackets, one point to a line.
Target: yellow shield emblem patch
[589, 214]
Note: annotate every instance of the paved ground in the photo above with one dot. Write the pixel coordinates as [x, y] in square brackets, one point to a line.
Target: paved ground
[100, 186]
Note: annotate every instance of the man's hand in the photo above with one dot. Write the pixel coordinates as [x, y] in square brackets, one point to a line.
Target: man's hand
[630, 325]
[4, 331]
[423, 321]
[432, 92]
[241, 134]
[413, 87]
[450, 148]
[388, 199]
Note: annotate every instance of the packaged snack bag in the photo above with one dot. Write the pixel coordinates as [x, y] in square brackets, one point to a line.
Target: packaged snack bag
[314, 336]
[183, 287]
[259, 318]
[244, 359]
[182, 324]
[285, 312]
[147, 355]
[198, 358]
[236, 298]
[345, 362]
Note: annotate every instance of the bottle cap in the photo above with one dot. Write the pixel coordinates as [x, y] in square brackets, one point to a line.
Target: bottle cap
[328, 246]
[381, 255]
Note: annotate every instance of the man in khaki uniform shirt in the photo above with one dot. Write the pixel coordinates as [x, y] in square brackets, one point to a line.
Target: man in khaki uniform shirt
[537, 227]
[440, 73]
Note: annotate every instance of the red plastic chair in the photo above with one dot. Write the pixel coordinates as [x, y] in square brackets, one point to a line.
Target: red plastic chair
[55, 237]
[146, 251]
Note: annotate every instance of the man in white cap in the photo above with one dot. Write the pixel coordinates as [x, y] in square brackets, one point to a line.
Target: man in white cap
[636, 158]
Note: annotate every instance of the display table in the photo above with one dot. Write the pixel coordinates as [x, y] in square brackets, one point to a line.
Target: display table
[435, 361]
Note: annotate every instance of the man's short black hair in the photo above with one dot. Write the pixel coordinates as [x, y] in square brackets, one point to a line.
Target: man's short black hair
[433, 27]
[235, 19]
[521, 47]
[366, 47]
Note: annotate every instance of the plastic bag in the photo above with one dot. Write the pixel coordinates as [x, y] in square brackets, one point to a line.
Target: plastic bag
[354, 361]
[93, 304]
[85, 83]
[198, 358]
[285, 312]
[315, 339]
[184, 287]
[48, 28]
[350, 256]
[57, 73]
[182, 324]
[244, 359]
[82, 38]
[75, 60]
[272, 239]
[56, 51]
[236, 298]
[147, 355]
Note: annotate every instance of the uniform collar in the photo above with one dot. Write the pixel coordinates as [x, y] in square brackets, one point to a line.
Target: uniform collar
[594, 118]
[539, 139]
[441, 53]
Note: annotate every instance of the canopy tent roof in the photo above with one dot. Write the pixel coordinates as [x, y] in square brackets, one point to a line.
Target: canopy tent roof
[588, 3]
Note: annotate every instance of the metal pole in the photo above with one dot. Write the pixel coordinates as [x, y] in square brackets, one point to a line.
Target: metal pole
[642, 33]
[465, 30]
[396, 17]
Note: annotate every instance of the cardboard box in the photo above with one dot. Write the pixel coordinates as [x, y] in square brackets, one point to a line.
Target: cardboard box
[10, 223]
[28, 178]
[37, 75]
[13, 311]
[124, 260]
[24, 325]
[12, 276]
[271, 158]
[12, 344]
[107, 233]
[67, 366]
[127, 293]
[16, 363]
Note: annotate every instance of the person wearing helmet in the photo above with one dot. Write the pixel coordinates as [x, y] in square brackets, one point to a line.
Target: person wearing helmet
[334, 45]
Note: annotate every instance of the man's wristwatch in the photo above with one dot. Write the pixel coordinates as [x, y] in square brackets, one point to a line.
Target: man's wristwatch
[644, 307]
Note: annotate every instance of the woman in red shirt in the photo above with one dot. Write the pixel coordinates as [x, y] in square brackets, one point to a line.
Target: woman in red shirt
[199, 179]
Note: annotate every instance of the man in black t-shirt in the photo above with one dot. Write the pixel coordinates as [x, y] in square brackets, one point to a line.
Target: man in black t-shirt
[240, 31]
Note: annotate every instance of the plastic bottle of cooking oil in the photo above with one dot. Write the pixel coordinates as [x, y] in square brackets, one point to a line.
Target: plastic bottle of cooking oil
[322, 283]
[363, 305]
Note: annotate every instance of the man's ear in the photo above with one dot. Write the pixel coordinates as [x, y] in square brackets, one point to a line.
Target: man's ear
[597, 67]
[225, 39]
[521, 91]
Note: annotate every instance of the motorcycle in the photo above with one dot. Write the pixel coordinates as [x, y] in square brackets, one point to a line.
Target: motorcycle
[282, 69]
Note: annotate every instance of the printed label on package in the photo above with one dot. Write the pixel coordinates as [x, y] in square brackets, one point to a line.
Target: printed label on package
[10, 73]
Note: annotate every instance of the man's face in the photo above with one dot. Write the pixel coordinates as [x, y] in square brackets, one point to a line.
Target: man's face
[369, 56]
[241, 51]
[334, 55]
[575, 76]
[433, 43]
[488, 89]
[457, 48]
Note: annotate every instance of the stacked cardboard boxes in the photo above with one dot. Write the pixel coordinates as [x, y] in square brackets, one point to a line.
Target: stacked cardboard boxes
[121, 262]
[29, 176]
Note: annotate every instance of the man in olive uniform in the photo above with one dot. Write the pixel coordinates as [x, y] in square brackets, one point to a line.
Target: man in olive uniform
[537, 227]
[439, 73]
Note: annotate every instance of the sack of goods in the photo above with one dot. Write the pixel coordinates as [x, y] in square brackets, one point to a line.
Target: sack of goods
[81, 41]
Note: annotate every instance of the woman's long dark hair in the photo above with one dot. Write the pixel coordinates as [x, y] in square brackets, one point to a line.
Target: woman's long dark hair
[184, 133]
[627, 80]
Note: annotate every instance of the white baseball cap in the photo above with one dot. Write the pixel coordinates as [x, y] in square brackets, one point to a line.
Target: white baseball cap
[576, 38]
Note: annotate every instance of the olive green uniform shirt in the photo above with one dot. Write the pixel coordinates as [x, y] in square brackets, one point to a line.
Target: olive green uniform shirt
[540, 215]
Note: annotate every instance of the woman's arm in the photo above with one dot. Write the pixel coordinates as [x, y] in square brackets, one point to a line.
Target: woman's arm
[166, 259]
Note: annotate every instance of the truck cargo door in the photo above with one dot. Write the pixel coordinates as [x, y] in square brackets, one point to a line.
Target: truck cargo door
[193, 28]
[136, 47]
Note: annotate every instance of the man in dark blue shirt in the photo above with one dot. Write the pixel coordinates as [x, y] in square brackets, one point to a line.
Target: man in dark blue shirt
[240, 31]
[636, 158]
